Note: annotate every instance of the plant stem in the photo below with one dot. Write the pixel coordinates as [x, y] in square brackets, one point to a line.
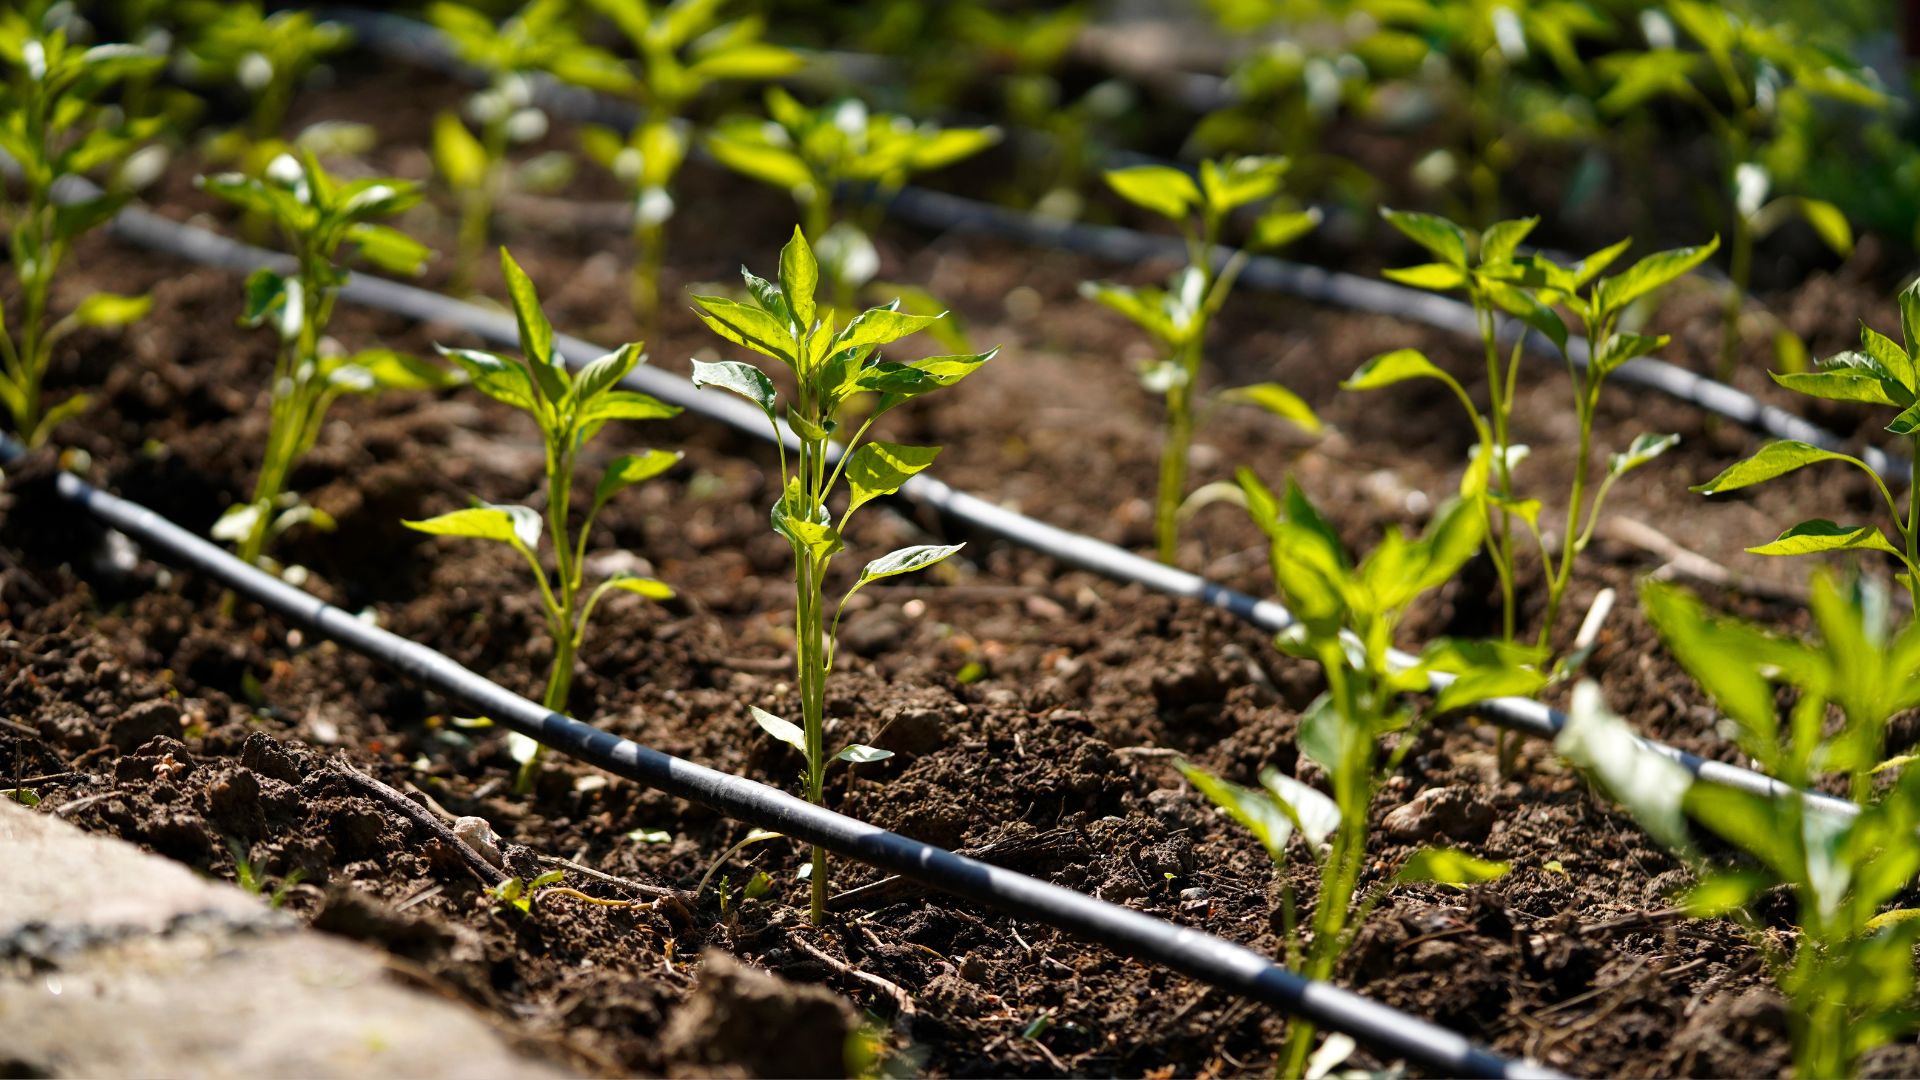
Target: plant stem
[1740, 276]
[1174, 454]
[650, 253]
[1497, 404]
[1913, 523]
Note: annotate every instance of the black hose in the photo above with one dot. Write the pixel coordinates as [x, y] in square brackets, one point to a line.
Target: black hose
[1213, 960]
[1523, 715]
[410, 41]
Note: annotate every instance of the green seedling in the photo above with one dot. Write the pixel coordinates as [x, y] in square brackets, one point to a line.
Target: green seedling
[266, 56]
[1497, 279]
[1805, 711]
[830, 365]
[322, 221]
[537, 40]
[519, 894]
[683, 48]
[1178, 316]
[1346, 617]
[1881, 372]
[55, 129]
[248, 876]
[813, 154]
[1741, 74]
[571, 409]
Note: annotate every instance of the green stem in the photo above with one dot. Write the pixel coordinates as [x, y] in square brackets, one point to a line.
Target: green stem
[1740, 276]
[650, 253]
[1498, 400]
[1561, 576]
[1174, 453]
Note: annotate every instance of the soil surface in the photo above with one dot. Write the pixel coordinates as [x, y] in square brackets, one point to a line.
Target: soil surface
[1034, 711]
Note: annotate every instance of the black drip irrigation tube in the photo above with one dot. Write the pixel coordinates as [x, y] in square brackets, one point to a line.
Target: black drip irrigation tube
[410, 41]
[1213, 960]
[1522, 715]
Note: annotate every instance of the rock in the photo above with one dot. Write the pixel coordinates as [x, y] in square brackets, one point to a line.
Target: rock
[915, 729]
[1456, 813]
[142, 723]
[269, 757]
[740, 1021]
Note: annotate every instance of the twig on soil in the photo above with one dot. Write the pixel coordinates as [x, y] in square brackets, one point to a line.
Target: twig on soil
[656, 891]
[420, 816]
[1152, 753]
[1632, 922]
[901, 999]
[1682, 562]
[15, 725]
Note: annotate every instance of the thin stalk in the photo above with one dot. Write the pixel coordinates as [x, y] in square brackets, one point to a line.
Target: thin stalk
[1739, 275]
[1498, 401]
[1174, 453]
[650, 256]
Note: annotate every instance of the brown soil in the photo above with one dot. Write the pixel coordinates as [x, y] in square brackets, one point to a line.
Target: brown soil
[1020, 697]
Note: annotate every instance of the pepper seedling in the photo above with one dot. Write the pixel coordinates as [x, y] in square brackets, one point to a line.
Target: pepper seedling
[1346, 617]
[812, 154]
[1742, 74]
[1497, 278]
[1880, 372]
[830, 365]
[538, 39]
[1847, 973]
[570, 410]
[54, 128]
[266, 56]
[322, 221]
[683, 48]
[1178, 316]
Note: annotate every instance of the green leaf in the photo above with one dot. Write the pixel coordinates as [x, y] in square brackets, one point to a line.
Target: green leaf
[389, 249]
[536, 333]
[508, 524]
[1651, 273]
[1839, 384]
[390, 370]
[799, 277]
[861, 754]
[630, 469]
[1254, 809]
[1165, 191]
[740, 377]
[1753, 823]
[1722, 892]
[1644, 448]
[1277, 400]
[1830, 224]
[1888, 354]
[879, 468]
[1907, 422]
[746, 325]
[1449, 866]
[1447, 241]
[626, 405]
[1311, 811]
[1487, 683]
[784, 730]
[496, 376]
[905, 560]
[110, 310]
[603, 372]
[879, 326]
[1818, 535]
[650, 588]
[1503, 238]
[768, 164]
[1281, 226]
[1651, 787]
[1392, 367]
[461, 159]
[1775, 459]
[1437, 277]
[1620, 348]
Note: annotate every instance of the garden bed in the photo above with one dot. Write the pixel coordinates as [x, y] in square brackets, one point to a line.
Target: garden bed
[1031, 708]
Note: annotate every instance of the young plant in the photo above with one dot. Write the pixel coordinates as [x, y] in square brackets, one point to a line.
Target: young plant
[1178, 317]
[1346, 617]
[53, 127]
[813, 154]
[683, 49]
[1848, 973]
[266, 56]
[1498, 279]
[570, 410]
[537, 40]
[322, 221]
[1742, 74]
[830, 365]
[1881, 372]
